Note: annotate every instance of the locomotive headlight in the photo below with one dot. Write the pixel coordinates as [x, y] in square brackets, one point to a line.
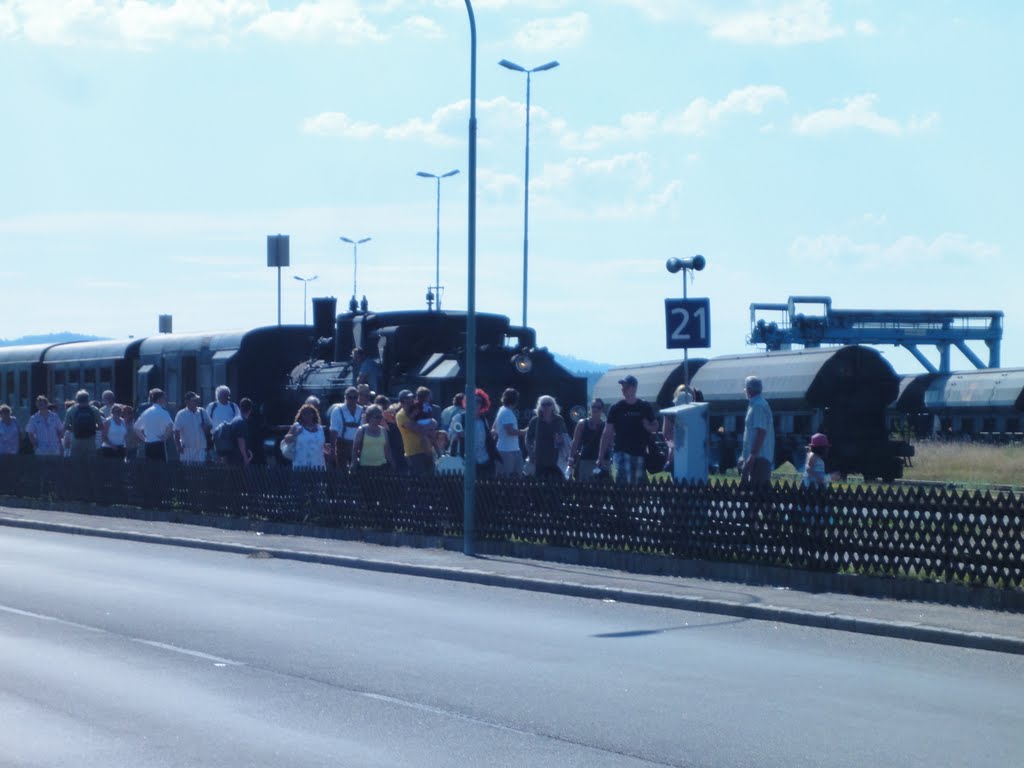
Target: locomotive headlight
[577, 413]
[522, 362]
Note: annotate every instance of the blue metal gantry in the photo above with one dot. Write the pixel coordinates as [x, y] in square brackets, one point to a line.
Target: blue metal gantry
[810, 321]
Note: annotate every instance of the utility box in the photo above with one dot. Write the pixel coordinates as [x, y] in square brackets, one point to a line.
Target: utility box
[690, 435]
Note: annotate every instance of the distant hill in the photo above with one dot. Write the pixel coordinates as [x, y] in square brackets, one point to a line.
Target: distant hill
[588, 368]
[47, 338]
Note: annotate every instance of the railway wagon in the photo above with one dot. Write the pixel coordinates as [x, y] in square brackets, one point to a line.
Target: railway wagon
[22, 378]
[985, 404]
[841, 391]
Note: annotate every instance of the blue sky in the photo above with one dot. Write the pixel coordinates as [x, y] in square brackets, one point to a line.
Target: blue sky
[864, 150]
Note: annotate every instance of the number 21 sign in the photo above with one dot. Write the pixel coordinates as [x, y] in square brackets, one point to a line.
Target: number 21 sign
[687, 323]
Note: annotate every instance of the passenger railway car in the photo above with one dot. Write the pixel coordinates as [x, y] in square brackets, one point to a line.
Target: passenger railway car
[841, 391]
[253, 363]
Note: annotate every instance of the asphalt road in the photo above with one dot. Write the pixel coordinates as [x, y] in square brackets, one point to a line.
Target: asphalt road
[120, 653]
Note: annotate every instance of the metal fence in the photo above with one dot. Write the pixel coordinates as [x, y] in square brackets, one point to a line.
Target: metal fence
[970, 537]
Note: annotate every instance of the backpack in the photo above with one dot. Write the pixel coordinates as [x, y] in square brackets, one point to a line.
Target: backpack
[223, 439]
[83, 423]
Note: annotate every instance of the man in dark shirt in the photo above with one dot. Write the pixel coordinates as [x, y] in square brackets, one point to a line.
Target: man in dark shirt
[630, 424]
[242, 450]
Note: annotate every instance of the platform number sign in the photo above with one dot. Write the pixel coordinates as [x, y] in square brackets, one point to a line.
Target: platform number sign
[687, 323]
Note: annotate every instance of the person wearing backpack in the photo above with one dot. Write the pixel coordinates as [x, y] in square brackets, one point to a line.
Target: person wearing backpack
[83, 421]
[221, 411]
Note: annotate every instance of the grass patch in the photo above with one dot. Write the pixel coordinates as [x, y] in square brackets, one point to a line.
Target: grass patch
[967, 463]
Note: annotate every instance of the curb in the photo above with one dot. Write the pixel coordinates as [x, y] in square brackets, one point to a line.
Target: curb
[819, 620]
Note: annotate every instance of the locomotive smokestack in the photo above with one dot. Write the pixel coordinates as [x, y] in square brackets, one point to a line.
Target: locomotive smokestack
[324, 310]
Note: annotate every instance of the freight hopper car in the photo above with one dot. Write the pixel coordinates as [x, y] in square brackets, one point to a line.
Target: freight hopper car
[841, 391]
[985, 404]
[428, 349]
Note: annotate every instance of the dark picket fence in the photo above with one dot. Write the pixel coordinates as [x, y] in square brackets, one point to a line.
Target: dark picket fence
[970, 537]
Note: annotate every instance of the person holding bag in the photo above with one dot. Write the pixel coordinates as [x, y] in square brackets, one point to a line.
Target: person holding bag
[547, 438]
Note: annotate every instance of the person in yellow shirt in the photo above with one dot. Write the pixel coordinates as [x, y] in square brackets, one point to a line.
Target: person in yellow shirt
[418, 452]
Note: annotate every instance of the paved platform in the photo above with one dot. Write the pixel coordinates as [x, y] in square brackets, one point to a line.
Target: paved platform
[927, 622]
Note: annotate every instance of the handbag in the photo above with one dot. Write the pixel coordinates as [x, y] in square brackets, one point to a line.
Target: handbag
[655, 455]
[288, 450]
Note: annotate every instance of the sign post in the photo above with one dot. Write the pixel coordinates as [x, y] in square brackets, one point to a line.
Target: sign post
[278, 256]
[687, 321]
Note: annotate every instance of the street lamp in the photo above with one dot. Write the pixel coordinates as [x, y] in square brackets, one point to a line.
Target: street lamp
[469, 476]
[353, 304]
[437, 257]
[526, 175]
[305, 283]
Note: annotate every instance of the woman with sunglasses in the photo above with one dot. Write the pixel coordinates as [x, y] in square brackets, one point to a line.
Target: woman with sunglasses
[371, 452]
[307, 435]
[546, 438]
[586, 440]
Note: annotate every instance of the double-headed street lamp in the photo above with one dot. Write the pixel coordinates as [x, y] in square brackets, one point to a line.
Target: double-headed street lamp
[437, 256]
[353, 303]
[305, 283]
[526, 175]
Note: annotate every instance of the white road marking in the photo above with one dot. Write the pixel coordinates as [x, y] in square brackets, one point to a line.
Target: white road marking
[219, 661]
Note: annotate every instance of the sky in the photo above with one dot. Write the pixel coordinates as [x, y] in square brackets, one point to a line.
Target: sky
[868, 151]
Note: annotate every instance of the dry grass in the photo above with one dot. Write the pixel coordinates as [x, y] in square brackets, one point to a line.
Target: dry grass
[968, 463]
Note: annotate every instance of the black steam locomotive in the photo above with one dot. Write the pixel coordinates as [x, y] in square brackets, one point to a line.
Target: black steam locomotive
[428, 349]
[841, 391]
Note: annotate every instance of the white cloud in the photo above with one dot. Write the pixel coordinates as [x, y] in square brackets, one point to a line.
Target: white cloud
[695, 120]
[338, 124]
[424, 27]
[444, 126]
[802, 21]
[341, 20]
[635, 127]
[701, 114]
[140, 22]
[858, 112]
[840, 250]
[865, 27]
[637, 166]
[645, 208]
[547, 34]
[8, 23]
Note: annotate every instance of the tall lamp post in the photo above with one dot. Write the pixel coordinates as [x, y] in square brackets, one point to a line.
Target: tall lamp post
[353, 304]
[437, 246]
[469, 476]
[526, 175]
[305, 283]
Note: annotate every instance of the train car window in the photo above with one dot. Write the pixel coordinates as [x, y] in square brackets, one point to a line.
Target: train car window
[9, 390]
[106, 378]
[189, 375]
[90, 376]
[802, 424]
[989, 425]
[967, 426]
[23, 385]
[1013, 425]
[59, 377]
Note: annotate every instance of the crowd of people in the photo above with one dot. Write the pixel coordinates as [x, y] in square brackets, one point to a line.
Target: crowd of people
[367, 433]
[86, 429]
